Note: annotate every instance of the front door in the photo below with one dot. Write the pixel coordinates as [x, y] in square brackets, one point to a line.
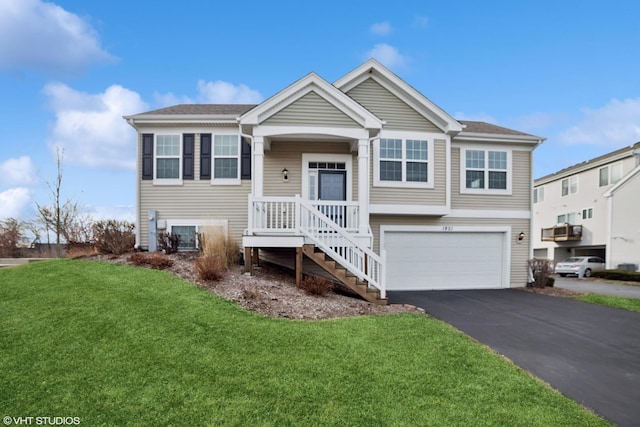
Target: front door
[332, 185]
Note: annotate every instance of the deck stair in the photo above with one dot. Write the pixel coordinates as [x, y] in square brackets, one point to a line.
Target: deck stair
[342, 275]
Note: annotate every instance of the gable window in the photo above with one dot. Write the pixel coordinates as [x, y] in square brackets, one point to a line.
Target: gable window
[485, 171]
[587, 213]
[538, 195]
[226, 159]
[569, 185]
[610, 174]
[403, 161]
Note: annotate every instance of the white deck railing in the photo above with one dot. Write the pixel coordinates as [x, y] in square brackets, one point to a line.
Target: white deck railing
[329, 225]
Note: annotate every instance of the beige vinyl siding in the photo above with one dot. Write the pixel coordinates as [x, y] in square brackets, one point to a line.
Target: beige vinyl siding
[195, 199]
[519, 250]
[520, 198]
[388, 107]
[288, 154]
[416, 196]
[311, 110]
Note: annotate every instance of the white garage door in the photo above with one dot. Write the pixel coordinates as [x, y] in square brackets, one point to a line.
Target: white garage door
[423, 260]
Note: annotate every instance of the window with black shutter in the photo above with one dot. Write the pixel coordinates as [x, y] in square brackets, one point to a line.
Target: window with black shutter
[147, 156]
[205, 156]
[187, 155]
[245, 172]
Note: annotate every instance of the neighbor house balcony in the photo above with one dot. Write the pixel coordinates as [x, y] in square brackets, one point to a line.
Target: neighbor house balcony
[562, 233]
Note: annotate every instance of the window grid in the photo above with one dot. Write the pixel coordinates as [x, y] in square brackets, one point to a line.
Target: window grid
[168, 156]
[491, 177]
[226, 155]
[403, 160]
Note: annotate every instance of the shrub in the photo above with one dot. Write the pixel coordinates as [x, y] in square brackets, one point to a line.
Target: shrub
[169, 243]
[211, 267]
[251, 294]
[155, 260]
[213, 240]
[314, 285]
[541, 270]
[114, 237]
[10, 237]
[623, 275]
[79, 250]
[551, 281]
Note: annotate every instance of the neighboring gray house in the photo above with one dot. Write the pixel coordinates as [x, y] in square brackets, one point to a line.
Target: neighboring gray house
[366, 171]
[591, 209]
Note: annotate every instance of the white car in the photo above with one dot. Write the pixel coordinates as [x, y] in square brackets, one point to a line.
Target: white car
[586, 264]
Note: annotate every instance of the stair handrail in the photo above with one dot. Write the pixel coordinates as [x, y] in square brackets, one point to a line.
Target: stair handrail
[369, 265]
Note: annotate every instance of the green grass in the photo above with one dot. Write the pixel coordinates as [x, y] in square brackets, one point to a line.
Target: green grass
[632, 304]
[118, 345]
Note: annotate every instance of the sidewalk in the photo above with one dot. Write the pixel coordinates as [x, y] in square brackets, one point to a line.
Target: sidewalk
[598, 286]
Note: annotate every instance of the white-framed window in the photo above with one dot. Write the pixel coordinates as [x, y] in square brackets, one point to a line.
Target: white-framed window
[167, 155]
[188, 236]
[568, 218]
[569, 185]
[403, 159]
[226, 159]
[610, 175]
[538, 195]
[587, 213]
[485, 170]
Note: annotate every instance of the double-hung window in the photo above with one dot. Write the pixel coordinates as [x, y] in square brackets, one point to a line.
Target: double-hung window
[610, 174]
[403, 162]
[538, 195]
[167, 157]
[226, 159]
[569, 186]
[485, 171]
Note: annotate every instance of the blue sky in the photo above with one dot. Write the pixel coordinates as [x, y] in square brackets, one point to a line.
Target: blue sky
[564, 70]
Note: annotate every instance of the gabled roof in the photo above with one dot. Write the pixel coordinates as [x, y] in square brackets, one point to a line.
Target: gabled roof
[312, 82]
[374, 70]
[488, 128]
[590, 164]
[627, 178]
[205, 109]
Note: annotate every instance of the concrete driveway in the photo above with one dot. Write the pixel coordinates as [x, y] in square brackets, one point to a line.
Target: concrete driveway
[598, 286]
[588, 352]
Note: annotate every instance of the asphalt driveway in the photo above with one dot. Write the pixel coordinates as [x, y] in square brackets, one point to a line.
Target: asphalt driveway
[588, 352]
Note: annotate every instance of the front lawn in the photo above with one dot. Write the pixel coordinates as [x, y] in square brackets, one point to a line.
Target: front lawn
[631, 304]
[119, 345]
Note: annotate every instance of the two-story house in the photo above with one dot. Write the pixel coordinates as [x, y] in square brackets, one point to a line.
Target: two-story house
[365, 173]
[591, 208]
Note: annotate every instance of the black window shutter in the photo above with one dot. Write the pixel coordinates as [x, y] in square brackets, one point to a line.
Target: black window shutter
[245, 158]
[205, 156]
[147, 156]
[187, 155]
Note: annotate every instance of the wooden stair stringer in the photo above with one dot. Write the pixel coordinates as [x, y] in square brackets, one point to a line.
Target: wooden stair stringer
[341, 274]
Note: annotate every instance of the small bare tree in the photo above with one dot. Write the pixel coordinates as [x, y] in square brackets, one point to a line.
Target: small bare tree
[11, 237]
[58, 217]
[541, 270]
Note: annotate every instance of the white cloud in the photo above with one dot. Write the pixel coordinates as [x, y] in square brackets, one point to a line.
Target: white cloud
[20, 171]
[476, 117]
[43, 36]
[168, 99]
[13, 202]
[221, 92]
[381, 28]
[90, 128]
[120, 213]
[388, 55]
[616, 124]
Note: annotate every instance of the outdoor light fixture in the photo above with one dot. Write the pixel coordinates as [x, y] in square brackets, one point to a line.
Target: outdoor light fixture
[285, 174]
[521, 236]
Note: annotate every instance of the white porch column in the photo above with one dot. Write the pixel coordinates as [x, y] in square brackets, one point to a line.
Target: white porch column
[258, 166]
[363, 184]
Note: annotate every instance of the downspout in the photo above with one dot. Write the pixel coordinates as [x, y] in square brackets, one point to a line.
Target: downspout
[131, 123]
